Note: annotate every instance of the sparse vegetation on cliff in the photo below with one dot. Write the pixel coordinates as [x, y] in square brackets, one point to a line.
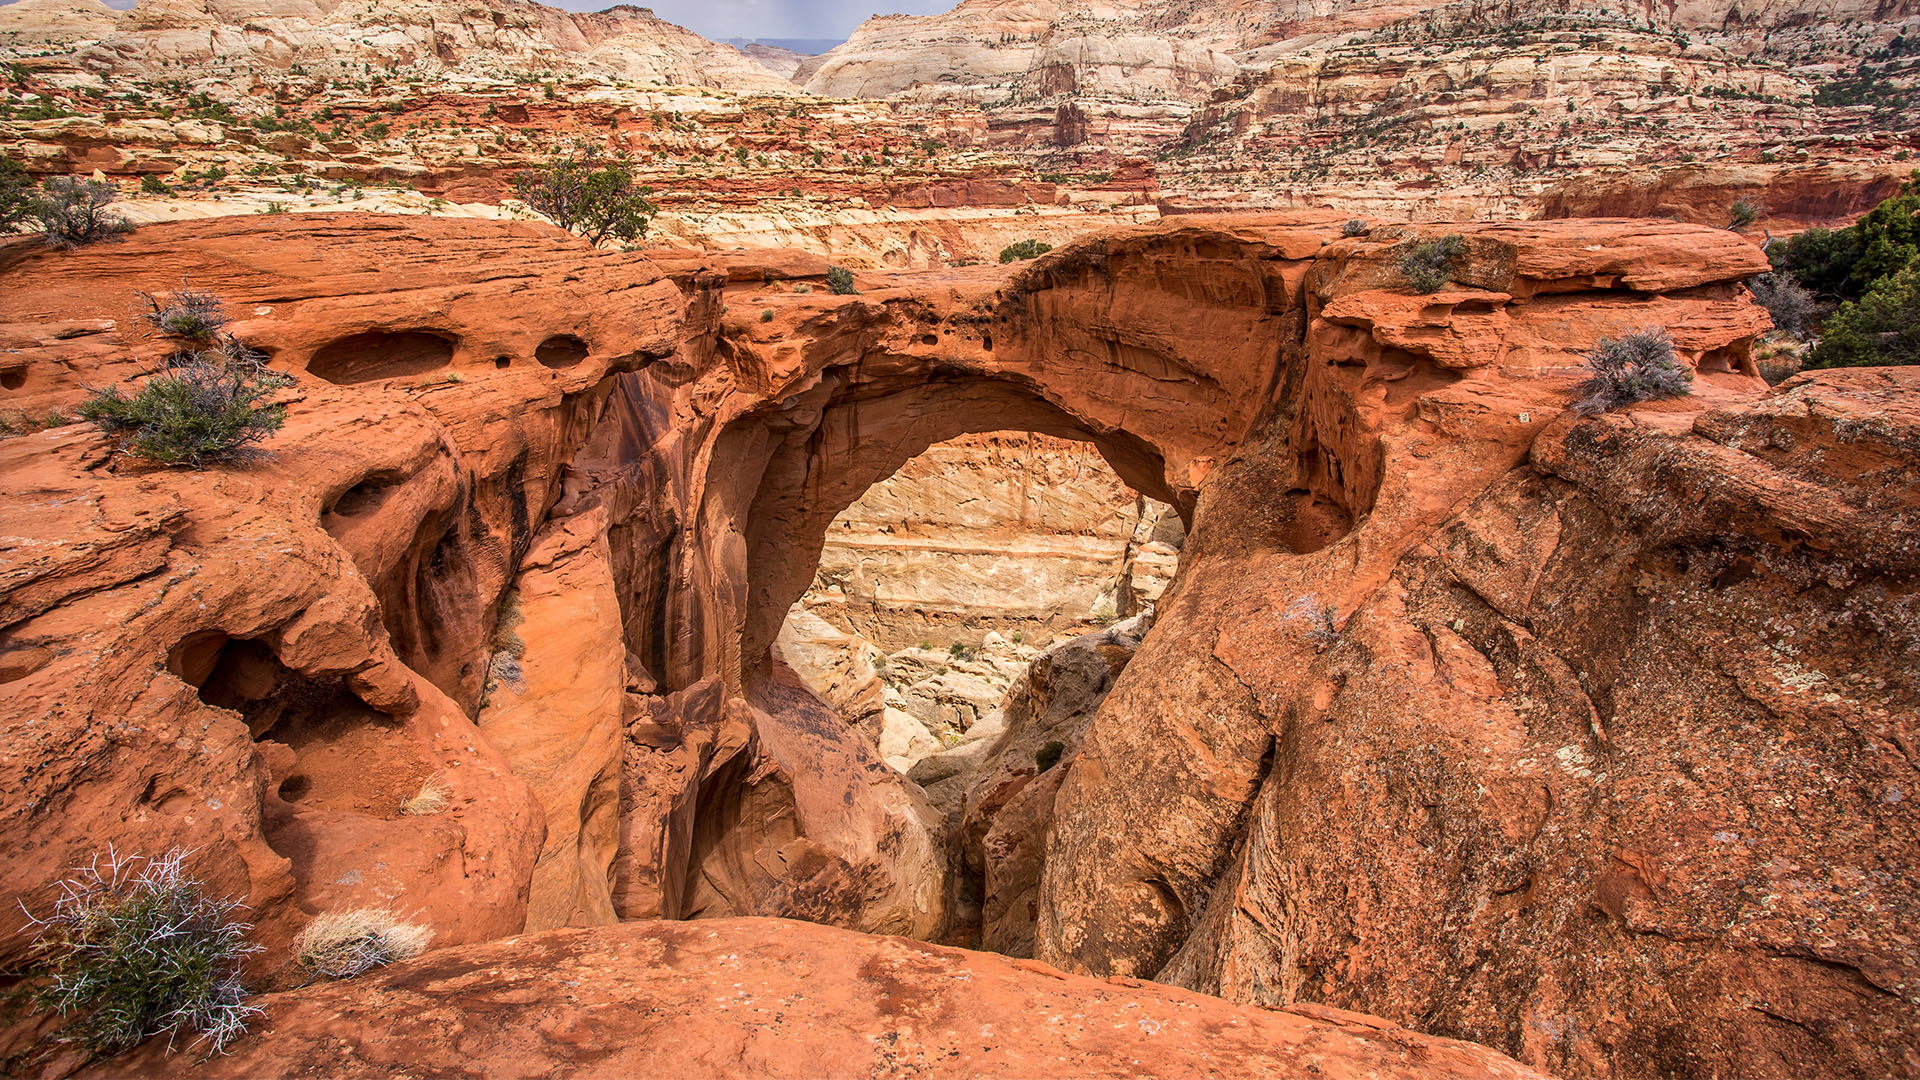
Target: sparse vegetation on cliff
[21, 422]
[135, 948]
[1640, 366]
[1429, 266]
[16, 194]
[207, 408]
[1024, 249]
[74, 212]
[432, 798]
[840, 281]
[342, 944]
[188, 313]
[599, 200]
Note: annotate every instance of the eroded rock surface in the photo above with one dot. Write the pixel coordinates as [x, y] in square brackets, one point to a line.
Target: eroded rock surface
[777, 999]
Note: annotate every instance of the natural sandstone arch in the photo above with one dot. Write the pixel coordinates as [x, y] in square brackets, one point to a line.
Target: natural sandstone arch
[813, 474]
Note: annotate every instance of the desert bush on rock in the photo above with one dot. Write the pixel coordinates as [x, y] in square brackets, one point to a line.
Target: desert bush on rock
[342, 944]
[1024, 249]
[600, 200]
[1353, 228]
[74, 212]
[16, 195]
[840, 281]
[1640, 366]
[1429, 266]
[1880, 328]
[135, 948]
[188, 314]
[1742, 214]
[1790, 304]
[207, 408]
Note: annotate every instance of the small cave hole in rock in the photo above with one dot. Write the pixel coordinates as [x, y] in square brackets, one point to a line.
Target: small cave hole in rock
[13, 378]
[344, 754]
[561, 351]
[381, 354]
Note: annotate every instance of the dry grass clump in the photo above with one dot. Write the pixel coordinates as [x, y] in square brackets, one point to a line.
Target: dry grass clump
[342, 944]
[433, 797]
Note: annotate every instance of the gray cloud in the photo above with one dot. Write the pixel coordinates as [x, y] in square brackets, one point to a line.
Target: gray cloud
[722, 19]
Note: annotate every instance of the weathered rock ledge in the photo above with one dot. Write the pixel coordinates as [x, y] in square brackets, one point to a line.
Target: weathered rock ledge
[773, 999]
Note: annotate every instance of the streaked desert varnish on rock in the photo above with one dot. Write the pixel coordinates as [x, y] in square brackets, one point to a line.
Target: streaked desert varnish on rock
[1586, 739]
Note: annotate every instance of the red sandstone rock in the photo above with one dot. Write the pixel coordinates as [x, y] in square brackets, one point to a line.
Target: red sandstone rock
[553, 710]
[775, 999]
[1583, 738]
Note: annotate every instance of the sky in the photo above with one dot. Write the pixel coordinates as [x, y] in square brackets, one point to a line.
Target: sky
[721, 19]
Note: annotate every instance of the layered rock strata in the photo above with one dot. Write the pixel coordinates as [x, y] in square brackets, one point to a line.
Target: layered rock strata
[1582, 737]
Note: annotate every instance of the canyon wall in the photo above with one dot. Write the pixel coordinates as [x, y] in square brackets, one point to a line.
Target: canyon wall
[941, 583]
[490, 38]
[1607, 710]
[1016, 533]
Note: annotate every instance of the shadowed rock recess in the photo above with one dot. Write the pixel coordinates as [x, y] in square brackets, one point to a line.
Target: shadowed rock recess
[1586, 739]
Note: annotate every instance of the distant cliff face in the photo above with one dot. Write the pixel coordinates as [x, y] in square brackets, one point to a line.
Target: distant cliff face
[493, 37]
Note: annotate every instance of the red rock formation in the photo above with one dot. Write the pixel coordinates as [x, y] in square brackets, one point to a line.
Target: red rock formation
[766, 998]
[1579, 737]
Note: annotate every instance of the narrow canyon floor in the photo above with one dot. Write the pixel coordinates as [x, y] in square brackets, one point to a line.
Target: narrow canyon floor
[1256, 664]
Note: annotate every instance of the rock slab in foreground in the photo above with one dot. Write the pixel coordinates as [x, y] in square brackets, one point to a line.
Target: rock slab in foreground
[772, 998]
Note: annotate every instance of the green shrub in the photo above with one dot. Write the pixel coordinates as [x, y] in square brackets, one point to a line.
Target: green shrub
[766, 314]
[1049, 755]
[74, 212]
[1024, 249]
[151, 184]
[1819, 259]
[1353, 228]
[1845, 263]
[342, 944]
[206, 409]
[16, 195]
[1429, 266]
[600, 200]
[134, 948]
[840, 281]
[1639, 366]
[188, 313]
[1880, 328]
[1889, 238]
[1742, 214]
